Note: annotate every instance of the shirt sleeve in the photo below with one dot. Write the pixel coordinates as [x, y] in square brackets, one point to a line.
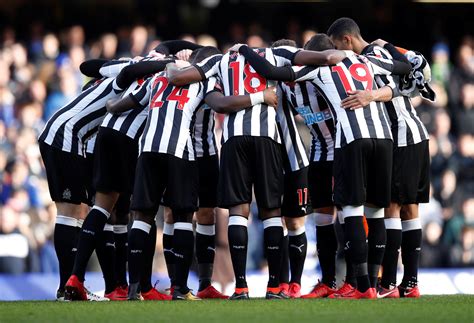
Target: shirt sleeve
[141, 95]
[305, 73]
[284, 55]
[113, 68]
[383, 80]
[209, 67]
[380, 66]
[212, 84]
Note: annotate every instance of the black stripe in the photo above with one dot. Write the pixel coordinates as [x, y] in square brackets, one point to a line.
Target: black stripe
[264, 121]
[205, 129]
[292, 131]
[130, 119]
[155, 146]
[417, 121]
[247, 121]
[93, 119]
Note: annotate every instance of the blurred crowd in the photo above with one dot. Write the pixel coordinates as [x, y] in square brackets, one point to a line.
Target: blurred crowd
[39, 75]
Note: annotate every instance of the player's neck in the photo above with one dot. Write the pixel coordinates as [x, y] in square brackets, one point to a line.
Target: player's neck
[359, 45]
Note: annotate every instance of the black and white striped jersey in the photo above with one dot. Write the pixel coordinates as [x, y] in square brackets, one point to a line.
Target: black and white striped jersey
[171, 117]
[131, 123]
[90, 144]
[204, 136]
[407, 128]
[239, 78]
[303, 98]
[70, 127]
[355, 72]
[296, 156]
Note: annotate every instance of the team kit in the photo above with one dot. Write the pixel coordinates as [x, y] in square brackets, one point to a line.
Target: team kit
[141, 135]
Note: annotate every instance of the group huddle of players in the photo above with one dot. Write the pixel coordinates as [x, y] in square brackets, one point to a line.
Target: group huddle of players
[141, 135]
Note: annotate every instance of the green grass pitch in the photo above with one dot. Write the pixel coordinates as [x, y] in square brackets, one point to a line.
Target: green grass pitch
[456, 308]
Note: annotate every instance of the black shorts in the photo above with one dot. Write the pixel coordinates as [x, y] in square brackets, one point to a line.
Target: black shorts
[411, 174]
[296, 198]
[68, 174]
[115, 160]
[321, 183]
[362, 173]
[208, 168]
[247, 161]
[158, 172]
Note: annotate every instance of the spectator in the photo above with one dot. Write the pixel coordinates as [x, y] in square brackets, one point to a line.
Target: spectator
[13, 244]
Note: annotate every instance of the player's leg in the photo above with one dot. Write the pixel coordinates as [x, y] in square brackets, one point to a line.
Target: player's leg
[350, 281]
[296, 205]
[168, 232]
[411, 246]
[268, 178]
[208, 168]
[393, 226]
[68, 192]
[147, 193]
[350, 173]
[235, 194]
[285, 262]
[122, 211]
[183, 201]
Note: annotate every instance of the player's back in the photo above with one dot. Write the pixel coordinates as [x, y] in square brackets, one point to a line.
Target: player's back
[355, 72]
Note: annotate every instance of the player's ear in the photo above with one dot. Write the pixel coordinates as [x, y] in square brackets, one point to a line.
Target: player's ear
[347, 41]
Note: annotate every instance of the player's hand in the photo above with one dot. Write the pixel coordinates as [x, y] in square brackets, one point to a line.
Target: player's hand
[379, 42]
[182, 64]
[357, 99]
[184, 54]
[236, 47]
[270, 97]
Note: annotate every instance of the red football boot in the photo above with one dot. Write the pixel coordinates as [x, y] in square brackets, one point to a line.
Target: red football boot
[154, 295]
[74, 290]
[409, 292]
[355, 294]
[118, 294]
[285, 287]
[346, 288]
[388, 292]
[321, 290]
[211, 293]
[294, 291]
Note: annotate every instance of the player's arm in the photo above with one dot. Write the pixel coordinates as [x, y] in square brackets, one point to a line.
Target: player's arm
[91, 67]
[361, 98]
[113, 67]
[171, 47]
[195, 73]
[234, 103]
[139, 70]
[137, 99]
[327, 57]
[265, 68]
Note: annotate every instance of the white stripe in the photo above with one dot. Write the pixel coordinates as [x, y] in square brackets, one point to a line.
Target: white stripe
[410, 225]
[297, 232]
[120, 229]
[393, 223]
[185, 226]
[323, 219]
[109, 227]
[79, 223]
[140, 225]
[374, 213]
[168, 228]
[350, 210]
[238, 220]
[66, 220]
[272, 222]
[208, 230]
[101, 210]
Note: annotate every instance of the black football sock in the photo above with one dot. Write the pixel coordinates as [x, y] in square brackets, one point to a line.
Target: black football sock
[137, 240]
[183, 244]
[326, 243]
[65, 244]
[297, 247]
[356, 241]
[272, 239]
[377, 239]
[168, 231]
[411, 246]
[350, 277]
[238, 241]
[121, 237]
[92, 228]
[105, 251]
[285, 260]
[205, 252]
[390, 258]
[148, 255]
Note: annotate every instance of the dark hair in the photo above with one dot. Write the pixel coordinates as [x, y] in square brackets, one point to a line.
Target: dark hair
[319, 42]
[203, 53]
[284, 42]
[343, 26]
